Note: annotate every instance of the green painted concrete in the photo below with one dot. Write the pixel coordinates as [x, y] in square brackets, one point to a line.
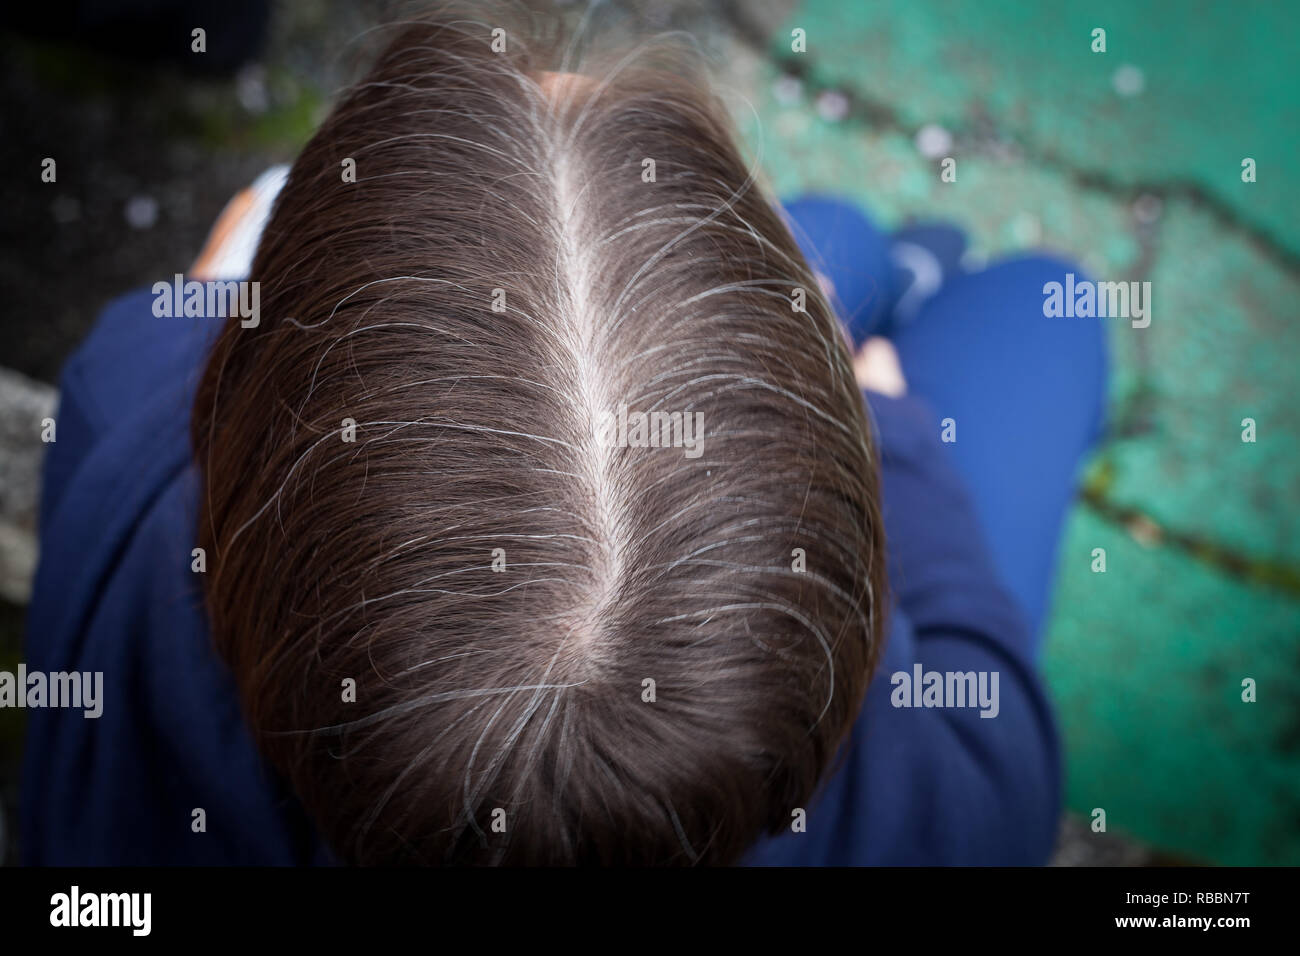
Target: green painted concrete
[1201, 530]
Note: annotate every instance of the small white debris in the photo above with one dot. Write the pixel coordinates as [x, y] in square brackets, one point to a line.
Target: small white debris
[1128, 80]
[832, 105]
[933, 141]
[250, 89]
[1026, 229]
[787, 89]
[141, 212]
[1147, 208]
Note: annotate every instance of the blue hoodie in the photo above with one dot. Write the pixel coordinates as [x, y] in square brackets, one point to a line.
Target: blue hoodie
[114, 593]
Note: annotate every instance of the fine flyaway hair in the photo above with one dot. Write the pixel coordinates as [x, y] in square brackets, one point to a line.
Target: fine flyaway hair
[469, 621]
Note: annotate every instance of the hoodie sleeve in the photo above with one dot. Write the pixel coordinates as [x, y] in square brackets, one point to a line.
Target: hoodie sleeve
[937, 785]
[116, 598]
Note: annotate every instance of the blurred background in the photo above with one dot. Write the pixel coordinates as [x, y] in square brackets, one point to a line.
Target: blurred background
[1128, 161]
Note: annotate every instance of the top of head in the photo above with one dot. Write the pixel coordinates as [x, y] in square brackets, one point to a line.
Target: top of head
[570, 643]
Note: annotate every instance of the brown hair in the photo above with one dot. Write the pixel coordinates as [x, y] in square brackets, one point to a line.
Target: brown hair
[501, 584]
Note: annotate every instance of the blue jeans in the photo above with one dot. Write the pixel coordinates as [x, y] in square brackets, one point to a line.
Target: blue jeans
[1027, 393]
